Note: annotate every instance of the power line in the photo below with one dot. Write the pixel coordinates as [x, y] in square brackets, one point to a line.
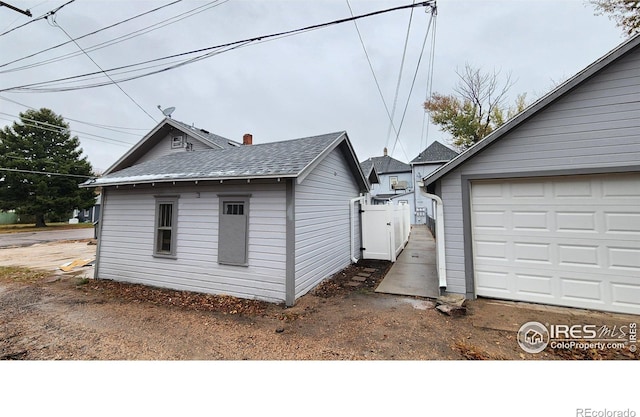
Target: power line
[375, 78]
[426, 117]
[415, 74]
[16, 19]
[119, 39]
[107, 75]
[230, 45]
[97, 125]
[27, 171]
[60, 129]
[44, 16]
[404, 55]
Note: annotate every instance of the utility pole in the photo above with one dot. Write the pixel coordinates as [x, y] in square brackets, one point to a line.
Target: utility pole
[27, 12]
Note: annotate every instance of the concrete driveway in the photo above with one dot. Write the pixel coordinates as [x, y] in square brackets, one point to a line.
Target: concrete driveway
[30, 238]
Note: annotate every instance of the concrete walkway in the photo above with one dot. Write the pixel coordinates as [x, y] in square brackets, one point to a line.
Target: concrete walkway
[414, 272]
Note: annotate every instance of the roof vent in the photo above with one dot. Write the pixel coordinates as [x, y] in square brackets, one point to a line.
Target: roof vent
[206, 132]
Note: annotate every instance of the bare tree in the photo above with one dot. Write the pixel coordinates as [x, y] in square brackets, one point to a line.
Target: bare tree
[626, 13]
[477, 107]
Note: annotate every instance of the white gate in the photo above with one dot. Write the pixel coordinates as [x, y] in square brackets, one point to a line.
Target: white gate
[385, 231]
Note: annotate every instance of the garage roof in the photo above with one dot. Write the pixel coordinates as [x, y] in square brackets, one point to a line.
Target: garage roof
[534, 108]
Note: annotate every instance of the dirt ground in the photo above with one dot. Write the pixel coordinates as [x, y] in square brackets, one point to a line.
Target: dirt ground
[49, 315]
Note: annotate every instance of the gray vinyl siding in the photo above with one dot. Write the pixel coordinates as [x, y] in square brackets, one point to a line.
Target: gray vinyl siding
[126, 244]
[594, 126]
[163, 147]
[322, 222]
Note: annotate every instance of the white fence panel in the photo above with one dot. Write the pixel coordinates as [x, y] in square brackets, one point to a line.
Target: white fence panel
[376, 236]
[385, 231]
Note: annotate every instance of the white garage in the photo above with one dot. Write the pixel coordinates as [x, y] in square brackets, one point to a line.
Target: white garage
[546, 208]
[572, 241]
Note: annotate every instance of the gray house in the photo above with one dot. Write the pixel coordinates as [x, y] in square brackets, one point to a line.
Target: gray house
[394, 184]
[267, 221]
[427, 161]
[546, 209]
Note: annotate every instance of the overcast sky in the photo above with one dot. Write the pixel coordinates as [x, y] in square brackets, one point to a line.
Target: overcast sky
[311, 83]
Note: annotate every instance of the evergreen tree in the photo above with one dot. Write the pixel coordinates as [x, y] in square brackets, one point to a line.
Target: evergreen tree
[41, 166]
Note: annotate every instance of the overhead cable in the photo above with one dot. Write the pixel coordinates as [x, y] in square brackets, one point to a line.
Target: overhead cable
[210, 52]
[107, 75]
[413, 81]
[44, 16]
[114, 41]
[27, 171]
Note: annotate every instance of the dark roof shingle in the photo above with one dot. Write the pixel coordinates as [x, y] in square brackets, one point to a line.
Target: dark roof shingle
[436, 152]
[386, 165]
[275, 159]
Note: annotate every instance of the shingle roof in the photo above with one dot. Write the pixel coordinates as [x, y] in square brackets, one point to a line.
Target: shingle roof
[436, 152]
[366, 166]
[386, 164]
[272, 160]
[211, 137]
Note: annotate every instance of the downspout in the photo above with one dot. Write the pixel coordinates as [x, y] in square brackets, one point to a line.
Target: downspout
[352, 237]
[103, 200]
[440, 255]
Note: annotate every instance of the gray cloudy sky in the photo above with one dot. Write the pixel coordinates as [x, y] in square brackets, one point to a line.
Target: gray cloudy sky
[312, 83]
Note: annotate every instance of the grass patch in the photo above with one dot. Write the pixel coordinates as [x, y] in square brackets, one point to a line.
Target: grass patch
[16, 228]
[20, 274]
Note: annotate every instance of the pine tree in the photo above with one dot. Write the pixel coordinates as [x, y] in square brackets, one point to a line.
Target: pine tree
[31, 152]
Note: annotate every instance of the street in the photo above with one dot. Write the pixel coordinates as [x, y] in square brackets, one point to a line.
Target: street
[31, 238]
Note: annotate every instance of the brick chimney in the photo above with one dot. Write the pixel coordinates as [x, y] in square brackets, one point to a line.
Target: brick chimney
[247, 139]
[385, 151]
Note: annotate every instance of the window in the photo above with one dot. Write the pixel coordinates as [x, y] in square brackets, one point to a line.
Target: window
[176, 142]
[166, 226]
[392, 181]
[233, 230]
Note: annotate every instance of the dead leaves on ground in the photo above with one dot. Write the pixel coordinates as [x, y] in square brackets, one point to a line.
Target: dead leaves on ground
[20, 274]
[471, 352]
[138, 293]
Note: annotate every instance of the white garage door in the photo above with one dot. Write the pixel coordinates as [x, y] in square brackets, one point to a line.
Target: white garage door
[571, 241]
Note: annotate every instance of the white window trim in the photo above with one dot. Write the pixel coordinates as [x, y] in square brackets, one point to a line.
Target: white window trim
[393, 180]
[177, 144]
[174, 227]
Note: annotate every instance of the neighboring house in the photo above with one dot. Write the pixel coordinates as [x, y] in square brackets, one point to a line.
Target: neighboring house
[546, 209]
[394, 184]
[91, 215]
[427, 161]
[267, 221]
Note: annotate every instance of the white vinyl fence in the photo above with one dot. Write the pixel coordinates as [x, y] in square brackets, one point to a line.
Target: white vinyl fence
[385, 230]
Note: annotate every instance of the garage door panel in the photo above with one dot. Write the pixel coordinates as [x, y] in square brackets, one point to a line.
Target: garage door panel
[578, 256]
[525, 221]
[537, 285]
[625, 259]
[494, 281]
[581, 289]
[572, 241]
[625, 295]
[530, 252]
[621, 187]
[493, 250]
[621, 222]
[528, 190]
[572, 188]
[576, 221]
[491, 220]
